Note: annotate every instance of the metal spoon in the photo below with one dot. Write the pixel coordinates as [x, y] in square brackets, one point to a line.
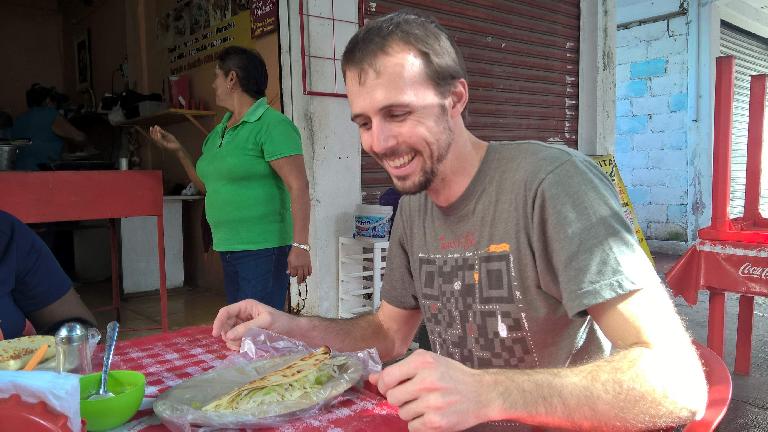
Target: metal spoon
[102, 392]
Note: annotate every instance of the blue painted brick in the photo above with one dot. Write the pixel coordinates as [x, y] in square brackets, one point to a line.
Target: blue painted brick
[634, 88]
[623, 144]
[675, 140]
[632, 160]
[681, 179]
[677, 213]
[648, 68]
[623, 107]
[631, 125]
[639, 195]
[678, 102]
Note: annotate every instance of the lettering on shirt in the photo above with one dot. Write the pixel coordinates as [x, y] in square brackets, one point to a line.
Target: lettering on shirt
[465, 242]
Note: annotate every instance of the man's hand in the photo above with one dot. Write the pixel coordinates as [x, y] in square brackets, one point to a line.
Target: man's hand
[299, 264]
[434, 393]
[234, 320]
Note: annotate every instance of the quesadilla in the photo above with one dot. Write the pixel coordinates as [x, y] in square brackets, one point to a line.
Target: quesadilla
[297, 378]
[15, 353]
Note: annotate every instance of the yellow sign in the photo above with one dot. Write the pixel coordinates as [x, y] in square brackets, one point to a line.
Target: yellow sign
[195, 34]
[608, 164]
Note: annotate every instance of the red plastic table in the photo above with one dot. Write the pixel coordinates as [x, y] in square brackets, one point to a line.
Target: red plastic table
[721, 267]
[57, 196]
[167, 359]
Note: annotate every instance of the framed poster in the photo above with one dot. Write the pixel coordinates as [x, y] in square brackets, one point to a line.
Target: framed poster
[83, 60]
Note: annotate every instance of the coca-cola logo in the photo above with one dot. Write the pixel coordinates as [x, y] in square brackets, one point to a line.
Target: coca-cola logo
[753, 271]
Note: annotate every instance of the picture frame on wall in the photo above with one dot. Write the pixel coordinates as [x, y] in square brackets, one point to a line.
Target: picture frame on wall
[83, 60]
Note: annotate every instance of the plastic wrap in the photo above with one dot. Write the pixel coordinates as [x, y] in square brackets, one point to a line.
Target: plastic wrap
[261, 352]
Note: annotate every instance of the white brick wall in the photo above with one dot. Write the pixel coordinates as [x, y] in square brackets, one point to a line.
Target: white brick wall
[653, 155]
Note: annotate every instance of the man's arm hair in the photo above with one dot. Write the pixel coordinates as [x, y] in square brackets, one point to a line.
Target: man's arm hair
[390, 330]
[653, 379]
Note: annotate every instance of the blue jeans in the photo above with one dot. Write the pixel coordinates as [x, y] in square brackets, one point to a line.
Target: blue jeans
[257, 274]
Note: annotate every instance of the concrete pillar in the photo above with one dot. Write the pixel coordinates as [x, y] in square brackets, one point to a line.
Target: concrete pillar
[597, 77]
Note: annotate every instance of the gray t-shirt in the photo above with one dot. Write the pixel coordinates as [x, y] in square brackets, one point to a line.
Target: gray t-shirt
[504, 275]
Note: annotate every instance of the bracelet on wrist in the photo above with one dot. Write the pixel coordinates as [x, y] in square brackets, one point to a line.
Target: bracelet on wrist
[301, 246]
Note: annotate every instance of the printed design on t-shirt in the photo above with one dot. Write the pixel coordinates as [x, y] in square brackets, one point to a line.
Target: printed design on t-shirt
[472, 308]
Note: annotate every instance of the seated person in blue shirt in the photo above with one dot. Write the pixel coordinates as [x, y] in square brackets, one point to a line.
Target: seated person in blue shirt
[43, 124]
[33, 285]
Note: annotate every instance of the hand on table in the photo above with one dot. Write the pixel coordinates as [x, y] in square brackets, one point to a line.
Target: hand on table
[434, 393]
[234, 320]
[164, 139]
[299, 264]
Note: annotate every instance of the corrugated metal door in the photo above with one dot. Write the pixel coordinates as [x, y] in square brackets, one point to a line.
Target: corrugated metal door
[751, 52]
[522, 58]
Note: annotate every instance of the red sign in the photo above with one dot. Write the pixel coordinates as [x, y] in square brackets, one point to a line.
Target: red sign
[263, 17]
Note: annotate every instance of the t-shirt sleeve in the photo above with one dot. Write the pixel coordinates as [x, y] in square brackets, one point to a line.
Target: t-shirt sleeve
[398, 287]
[281, 139]
[40, 280]
[586, 253]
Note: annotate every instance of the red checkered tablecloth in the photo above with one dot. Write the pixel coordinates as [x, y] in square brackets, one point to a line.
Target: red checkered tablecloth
[167, 359]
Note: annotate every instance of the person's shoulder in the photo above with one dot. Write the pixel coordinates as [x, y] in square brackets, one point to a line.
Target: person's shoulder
[414, 204]
[8, 221]
[535, 151]
[273, 115]
[531, 157]
[11, 228]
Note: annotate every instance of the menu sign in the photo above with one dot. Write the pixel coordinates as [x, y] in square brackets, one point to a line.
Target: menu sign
[263, 17]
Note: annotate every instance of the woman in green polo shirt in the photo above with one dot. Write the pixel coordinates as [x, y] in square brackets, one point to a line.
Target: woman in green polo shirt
[256, 189]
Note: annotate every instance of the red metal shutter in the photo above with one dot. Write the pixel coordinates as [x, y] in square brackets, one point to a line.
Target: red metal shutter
[522, 58]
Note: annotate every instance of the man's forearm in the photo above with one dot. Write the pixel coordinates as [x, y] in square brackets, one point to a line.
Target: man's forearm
[347, 335]
[635, 389]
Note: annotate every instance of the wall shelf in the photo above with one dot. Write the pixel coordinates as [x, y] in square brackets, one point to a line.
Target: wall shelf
[169, 116]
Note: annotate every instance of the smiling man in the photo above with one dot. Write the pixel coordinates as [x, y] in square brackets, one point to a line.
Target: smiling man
[540, 305]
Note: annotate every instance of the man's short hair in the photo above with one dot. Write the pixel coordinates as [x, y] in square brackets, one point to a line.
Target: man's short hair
[443, 62]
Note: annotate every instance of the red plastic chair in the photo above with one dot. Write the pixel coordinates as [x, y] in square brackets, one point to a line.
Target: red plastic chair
[719, 393]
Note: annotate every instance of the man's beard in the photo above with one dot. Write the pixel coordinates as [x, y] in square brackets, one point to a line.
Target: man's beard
[428, 175]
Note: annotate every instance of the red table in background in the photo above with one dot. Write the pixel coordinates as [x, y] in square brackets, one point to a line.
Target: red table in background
[167, 359]
[720, 267]
[58, 196]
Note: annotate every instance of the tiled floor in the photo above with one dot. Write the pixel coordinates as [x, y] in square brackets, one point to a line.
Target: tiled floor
[186, 307]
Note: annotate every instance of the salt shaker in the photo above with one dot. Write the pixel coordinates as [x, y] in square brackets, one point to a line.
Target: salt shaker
[72, 349]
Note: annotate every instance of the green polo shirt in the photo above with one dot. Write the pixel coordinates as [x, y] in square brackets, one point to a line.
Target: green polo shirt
[246, 202]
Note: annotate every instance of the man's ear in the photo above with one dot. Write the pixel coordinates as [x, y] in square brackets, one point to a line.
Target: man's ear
[459, 97]
[231, 77]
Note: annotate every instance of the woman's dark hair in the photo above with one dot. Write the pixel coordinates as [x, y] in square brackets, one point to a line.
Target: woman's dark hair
[38, 94]
[249, 67]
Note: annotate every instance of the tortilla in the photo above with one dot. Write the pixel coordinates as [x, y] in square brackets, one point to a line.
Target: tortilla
[15, 353]
[292, 372]
[185, 401]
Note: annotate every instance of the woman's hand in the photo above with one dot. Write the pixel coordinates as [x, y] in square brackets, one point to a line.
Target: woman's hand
[299, 264]
[164, 139]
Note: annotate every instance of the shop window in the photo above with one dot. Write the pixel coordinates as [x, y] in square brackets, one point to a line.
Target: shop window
[326, 27]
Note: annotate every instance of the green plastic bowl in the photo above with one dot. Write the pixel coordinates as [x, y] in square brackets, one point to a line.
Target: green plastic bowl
[104, 414]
